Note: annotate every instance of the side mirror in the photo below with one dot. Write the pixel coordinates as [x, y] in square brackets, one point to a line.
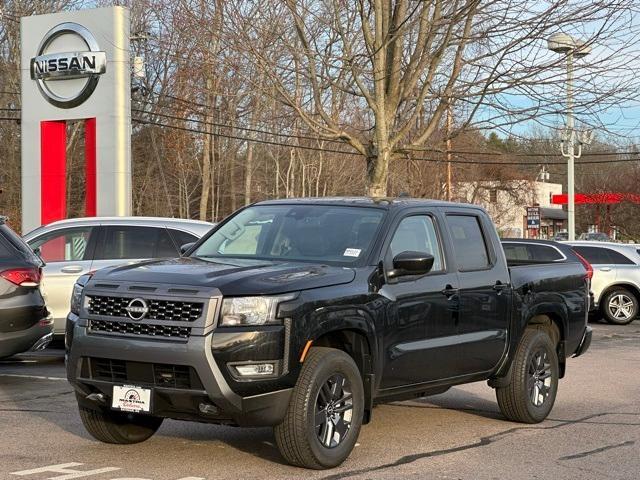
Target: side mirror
[186, 247]
[411, 263]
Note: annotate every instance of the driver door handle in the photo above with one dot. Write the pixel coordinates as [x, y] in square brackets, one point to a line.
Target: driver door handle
[499, 286]
[449, 291]
[71, 269]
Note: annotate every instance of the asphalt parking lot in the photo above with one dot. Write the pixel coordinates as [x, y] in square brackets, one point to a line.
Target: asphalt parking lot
[593, 431]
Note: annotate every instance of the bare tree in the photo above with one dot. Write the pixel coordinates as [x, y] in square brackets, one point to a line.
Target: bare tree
[397, 65]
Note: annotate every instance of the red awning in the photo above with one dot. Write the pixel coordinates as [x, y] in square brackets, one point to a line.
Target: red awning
[600, 198]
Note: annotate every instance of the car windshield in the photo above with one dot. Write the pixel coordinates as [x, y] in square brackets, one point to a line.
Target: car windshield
[329, 234]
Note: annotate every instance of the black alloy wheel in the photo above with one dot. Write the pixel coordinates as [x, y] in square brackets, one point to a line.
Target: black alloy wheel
[539, 382]
[334, 409]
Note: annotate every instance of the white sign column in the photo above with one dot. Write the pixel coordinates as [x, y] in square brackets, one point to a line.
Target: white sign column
[75, 66]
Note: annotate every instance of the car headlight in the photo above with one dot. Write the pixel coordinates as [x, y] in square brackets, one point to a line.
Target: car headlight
[240, 311]
[76, 294]
[76, 298]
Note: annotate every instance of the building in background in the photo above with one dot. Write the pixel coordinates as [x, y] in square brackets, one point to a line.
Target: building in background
[507, 202]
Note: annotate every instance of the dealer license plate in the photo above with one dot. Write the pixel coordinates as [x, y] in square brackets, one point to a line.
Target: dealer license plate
[128, 398]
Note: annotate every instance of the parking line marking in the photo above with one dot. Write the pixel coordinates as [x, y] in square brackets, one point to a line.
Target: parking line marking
[65, 468]
[33, 377]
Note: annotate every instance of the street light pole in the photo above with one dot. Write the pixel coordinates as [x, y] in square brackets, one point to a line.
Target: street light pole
[566, 44]
[570, 154]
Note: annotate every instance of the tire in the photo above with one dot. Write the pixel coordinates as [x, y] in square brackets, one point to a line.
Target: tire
[620, 306]
[533, 386]
[310, 436]
[118, 427]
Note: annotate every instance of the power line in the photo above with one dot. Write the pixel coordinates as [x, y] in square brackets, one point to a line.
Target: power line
[328, 150]
[306, 147]
[248, 139]
[236, 127]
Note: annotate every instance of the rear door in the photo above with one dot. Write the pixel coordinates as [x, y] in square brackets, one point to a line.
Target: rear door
[604, 270]
[68, 253]
[484, 292]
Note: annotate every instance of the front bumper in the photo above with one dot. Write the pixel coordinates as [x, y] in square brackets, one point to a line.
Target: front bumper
[208, 398]
[585, 343]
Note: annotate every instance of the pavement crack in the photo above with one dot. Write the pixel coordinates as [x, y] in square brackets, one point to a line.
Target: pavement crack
[40, 397]
[483, 441]
[28, 410]
[597, 450]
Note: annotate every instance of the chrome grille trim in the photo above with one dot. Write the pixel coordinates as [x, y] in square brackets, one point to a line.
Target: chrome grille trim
[164, 310]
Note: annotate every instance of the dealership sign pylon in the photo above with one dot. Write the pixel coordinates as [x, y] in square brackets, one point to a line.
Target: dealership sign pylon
[75, 67]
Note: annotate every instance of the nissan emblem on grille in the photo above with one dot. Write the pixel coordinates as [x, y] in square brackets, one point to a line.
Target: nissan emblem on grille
[137, 309]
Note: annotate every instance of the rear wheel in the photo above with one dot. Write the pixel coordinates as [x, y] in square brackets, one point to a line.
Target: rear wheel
[620, 306]
[531, 393]
[325, 413]
[118, 427]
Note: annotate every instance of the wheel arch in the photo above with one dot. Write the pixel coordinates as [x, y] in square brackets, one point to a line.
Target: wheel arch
[356, 343]
[556, 328]
[627, 286]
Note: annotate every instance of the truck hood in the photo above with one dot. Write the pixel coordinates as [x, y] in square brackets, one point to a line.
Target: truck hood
[230, 276]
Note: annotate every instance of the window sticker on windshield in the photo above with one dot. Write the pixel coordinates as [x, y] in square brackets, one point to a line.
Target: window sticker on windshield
[351, 252]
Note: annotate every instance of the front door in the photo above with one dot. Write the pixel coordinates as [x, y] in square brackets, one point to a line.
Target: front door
[421, 317]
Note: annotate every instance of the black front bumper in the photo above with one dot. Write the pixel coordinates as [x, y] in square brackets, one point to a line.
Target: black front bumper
[585, 343]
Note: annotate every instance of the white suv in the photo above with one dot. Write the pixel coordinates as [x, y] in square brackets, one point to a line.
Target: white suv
[616, 278]
[76, 246]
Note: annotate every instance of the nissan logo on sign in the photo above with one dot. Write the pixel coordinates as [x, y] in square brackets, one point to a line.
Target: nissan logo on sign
[51, 66]
[137, 309]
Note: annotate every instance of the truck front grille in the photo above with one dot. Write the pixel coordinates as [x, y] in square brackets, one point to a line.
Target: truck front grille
[139, 329]
[139, 373]
[170, 310]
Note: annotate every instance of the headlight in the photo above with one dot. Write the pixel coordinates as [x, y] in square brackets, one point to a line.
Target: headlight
[250, 310]
[76, 297]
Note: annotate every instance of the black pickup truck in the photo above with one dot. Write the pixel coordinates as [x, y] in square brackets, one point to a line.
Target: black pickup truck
[303, 314]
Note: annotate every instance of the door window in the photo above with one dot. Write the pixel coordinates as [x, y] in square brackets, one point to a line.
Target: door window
[129, 243]
[68, 245]
[5, 252]
[531, 252]
[417, 234]
[594, 255]
[618, 258]
[182, 238]
[468, 242]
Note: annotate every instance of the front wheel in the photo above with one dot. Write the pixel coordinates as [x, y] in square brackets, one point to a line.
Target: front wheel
[110, 426]
[325, 413]
[620, 306]
[533, 385]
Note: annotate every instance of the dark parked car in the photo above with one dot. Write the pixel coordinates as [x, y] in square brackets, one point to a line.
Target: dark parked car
[304, 314]
[23, 316]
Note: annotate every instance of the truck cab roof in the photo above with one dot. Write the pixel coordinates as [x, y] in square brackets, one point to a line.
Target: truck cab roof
[388, 203]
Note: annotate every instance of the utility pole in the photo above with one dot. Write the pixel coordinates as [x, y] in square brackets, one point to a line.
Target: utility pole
[449, 122]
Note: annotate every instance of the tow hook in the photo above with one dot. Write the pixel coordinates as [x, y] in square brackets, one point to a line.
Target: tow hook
[97, 397]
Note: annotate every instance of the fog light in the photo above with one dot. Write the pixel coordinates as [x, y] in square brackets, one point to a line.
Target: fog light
[256, 369]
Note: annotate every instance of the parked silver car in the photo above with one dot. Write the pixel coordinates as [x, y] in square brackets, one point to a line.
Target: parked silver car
[616, 278]
[76, 246]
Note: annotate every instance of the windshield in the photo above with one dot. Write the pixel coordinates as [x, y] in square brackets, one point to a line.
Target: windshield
[308, 233]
